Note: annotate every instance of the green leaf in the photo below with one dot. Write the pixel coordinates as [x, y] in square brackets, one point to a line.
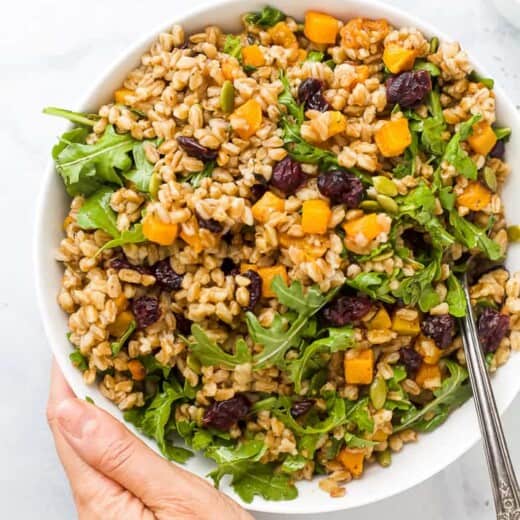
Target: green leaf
[357, 442]
[96, 213]
[209, 353]
[315, 56]
[375, 285]
[293, 463]
[134, 235]
[401, 400]
[453, 392]
[359, 414]
[474, 237]
[195, 178]
[286, 99]
[338, 339]
[233, 46]
[79, 118]
[447, 197]
[249, 450]
[502, 132]
[456, 155]
[201, 439]
[141, 174]
[151, 365]
[116, 346]
[84, 167]
[79, 360]
[477, 78]
[455, 297]
[267, 17]
[275, 340]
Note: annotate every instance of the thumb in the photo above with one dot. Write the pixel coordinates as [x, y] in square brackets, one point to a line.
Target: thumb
[106, 445]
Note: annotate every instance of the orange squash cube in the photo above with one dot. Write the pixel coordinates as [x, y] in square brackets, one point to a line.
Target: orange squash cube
[266, 205]
[352, 460]
[380, 321]
[247, 119]
[475, 196]
[268, 274]
[316, 215]
[118, 327]
[282, 35]
[398, 59]
[428, 376]
[393, 138]
[155, 230]
[123, 96]
[359, 370]
[483, 139]
[253, 56]
[429, 351]
[320, 27]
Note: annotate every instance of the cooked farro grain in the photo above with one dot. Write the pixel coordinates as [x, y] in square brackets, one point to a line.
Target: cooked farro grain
[272, 323]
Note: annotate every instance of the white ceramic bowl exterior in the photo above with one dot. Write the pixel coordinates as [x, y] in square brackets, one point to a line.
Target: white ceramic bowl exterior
[417, 462]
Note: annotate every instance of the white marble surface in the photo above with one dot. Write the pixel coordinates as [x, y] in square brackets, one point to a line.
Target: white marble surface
[49, 52]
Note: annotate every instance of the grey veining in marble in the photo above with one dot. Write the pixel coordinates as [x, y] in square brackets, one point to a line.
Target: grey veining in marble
[49, 52]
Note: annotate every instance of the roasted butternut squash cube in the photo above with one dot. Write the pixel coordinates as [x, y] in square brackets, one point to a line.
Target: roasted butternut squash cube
[483, 139]
[253, 56]
[121, 324]
[320, 27]
[428, 376]
[405, 327]
[398, 59]
[352, 460]
[315, 216]
[475, 196]
[380, 321]
[429, 351]
[393, 138]
[123, 96]
[359, 370]
[247, 119]
[268, 274]
[155, 230]
[266, 205]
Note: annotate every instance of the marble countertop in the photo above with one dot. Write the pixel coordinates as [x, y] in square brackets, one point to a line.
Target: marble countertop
[50, 51]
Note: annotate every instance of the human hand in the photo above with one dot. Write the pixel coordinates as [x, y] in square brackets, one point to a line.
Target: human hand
[113, 475]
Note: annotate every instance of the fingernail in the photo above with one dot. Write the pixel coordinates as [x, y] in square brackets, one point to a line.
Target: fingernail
[75, 417]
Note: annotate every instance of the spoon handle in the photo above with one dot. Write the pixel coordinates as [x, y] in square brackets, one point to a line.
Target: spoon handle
[505, 488]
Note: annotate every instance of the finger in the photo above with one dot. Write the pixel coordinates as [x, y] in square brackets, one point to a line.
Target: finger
[106, 445]
[96, 496]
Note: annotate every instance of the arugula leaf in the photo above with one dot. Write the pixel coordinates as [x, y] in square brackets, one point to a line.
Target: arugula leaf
[477, 78]
[447, 197]
[116, 346]
[79, 118]
[474, 237]
[407, 165]
[353, 441]
[233, 46]
[502, 132]
[359, 414]
[209, 353]
[249, 450]
[275, 340]
[293, 463]
[375, 285]
[267, 17]
[456, 155]
[79, 360]
[152, 422]
[338, 339]
[151, 365]
[142, 173]
[96, 213]
[84, 167]
[394, 386]
[195, 178]
[453, 392]
[455, 297]
[134, 235]
[287, 100]
[315, 56]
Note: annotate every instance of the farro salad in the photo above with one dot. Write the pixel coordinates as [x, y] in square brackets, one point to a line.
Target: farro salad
[262, 249]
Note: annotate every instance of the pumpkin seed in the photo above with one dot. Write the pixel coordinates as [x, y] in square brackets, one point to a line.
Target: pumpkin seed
[490, 178]
[153, 187]
[385, 186]
[434, 44]
[227, 97]
[370, 205]
[384, 458]
[513, 233]
[383, 256]
[193, 363]
[378, 392]
[387, 203]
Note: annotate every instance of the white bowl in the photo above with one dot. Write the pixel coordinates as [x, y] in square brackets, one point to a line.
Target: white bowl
[417, 462]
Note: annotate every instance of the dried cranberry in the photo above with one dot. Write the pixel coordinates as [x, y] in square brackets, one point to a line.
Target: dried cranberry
[229, 267]
[310, 94]
[492, 327]
[341, 187]
[183, 324]
[146, 311]
[166, 277]
[254, 288]
[192, 147]
[498, 150]
[346, 309]
[300, 408]
[257, 191]
[121, 262]
[411, 359]
[440, 328]
[222, 415]
[408, 88]
[210, 224]
[288, 176]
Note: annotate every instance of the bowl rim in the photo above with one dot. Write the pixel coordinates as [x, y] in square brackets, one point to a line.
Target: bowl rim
[46, 187]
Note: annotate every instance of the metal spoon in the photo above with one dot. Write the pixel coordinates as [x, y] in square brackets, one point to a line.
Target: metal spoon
[505, 488]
